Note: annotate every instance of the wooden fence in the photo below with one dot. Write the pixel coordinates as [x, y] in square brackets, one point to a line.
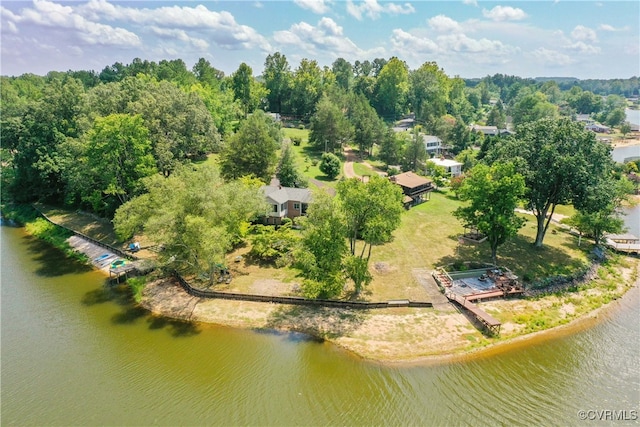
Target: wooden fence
[363, 305]
[116, 251]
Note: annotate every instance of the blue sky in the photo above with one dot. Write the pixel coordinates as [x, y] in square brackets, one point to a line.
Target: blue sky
[468, 38]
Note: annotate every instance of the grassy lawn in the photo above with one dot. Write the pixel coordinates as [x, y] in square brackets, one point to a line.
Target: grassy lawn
[428, 237]
[566, 210]
[90, 225]
[212, 159]
[308, 158]
[362, 170]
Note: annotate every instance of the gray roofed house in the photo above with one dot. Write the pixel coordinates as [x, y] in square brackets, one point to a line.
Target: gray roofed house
[486, 130]
[285, 202]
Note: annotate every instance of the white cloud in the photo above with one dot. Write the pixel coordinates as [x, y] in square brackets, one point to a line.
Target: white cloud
[611, 28]
[504, 13]
[65, 18]
[330, 27]
[315, 6]
[444, 24]
[463, 43]
[405, 42]
[372, 9]
[220, 27]
[580, 32]
[471, 2]
[582, 47]
[552, 57]
[327, 36]
[180, 35]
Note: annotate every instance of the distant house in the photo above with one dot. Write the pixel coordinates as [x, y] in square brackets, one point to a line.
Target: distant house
[432, 144]
[597, 127]
[404, 125]
[285, 202]
[584, 118]
[486, 130]
[415, 188]
[452, 167]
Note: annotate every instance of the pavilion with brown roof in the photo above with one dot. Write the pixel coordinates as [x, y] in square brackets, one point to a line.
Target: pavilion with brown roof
[414, 187]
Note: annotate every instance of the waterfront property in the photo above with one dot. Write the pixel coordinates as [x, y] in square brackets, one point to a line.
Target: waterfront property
[471, 286]
[285, 202]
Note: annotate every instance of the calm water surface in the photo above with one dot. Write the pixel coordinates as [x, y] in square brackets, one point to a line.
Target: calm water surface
[75, 352]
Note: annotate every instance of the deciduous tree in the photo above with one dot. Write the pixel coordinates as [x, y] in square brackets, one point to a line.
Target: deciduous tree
[277, 79]
[252, 150]
[599, 211]
[116, 157]
[322, 248]
[372, 212]
[194, 215]
[493, 192]
[392, 87]
[558, 159]
[329, 127]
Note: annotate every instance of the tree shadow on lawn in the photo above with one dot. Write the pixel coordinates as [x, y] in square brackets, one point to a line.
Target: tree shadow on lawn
[520, 256]
[319, 322]
[324, 178]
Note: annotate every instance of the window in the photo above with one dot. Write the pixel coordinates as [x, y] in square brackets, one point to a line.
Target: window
[296, 206]
[283, 207]
[275, 208]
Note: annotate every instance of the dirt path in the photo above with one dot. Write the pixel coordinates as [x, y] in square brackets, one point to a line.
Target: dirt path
[351, 158]
[348, 164]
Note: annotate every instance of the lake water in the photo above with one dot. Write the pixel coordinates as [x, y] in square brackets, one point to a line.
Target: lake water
[76, 352]
[633, 116]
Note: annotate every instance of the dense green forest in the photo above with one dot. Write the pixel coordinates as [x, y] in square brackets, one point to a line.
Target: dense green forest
[125, 143]
[87, 139]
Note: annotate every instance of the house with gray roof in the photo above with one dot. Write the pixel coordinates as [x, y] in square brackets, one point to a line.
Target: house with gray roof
[285, 202]
[486, 130]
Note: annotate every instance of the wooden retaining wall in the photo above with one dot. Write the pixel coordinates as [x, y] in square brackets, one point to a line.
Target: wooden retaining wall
[200, 293]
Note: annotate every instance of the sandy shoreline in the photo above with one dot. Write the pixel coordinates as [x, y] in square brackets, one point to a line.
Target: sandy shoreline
[395, 335]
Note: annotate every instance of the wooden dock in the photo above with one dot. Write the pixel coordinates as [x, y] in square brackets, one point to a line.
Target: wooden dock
[623, 243]
[491, 323]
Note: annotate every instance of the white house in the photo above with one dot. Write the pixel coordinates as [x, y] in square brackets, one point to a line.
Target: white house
[451, 166]
[432, 144]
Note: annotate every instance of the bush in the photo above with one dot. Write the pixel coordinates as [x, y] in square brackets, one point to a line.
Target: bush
[301, 126]
[296, 140]
[137, 285]
[393, 171]
[330, 165]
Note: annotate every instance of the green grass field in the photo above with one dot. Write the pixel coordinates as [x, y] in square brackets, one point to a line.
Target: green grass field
[308, 158]
[429, 237]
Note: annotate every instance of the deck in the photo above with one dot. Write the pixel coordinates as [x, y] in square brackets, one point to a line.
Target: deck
[623, 243]
[491, 323]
